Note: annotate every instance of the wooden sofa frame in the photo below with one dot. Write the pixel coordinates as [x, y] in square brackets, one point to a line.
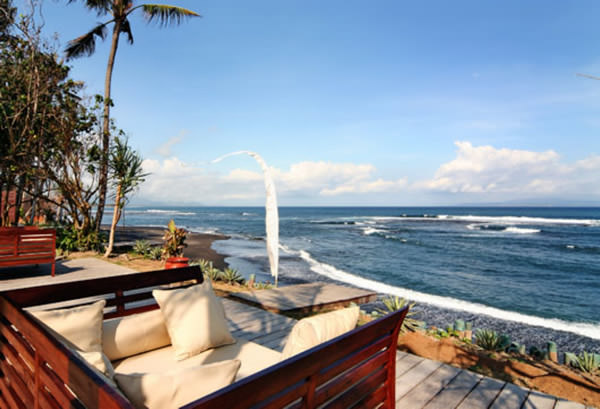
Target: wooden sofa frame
[356, 369]
[27, 245]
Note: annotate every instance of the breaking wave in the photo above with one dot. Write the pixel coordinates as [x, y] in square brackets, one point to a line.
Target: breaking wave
[327, 270]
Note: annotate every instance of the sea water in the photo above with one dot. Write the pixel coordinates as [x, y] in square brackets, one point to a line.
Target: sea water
[537, 266]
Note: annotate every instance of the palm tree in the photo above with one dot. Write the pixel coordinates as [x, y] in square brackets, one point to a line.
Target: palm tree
[85, 45]
[127, 174]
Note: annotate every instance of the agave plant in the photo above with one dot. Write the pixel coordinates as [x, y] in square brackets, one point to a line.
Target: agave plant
[142, 247]
[155, 253]
[587, 362]
[491, 341]
[232, 276]
[393, 304]
[210, 272]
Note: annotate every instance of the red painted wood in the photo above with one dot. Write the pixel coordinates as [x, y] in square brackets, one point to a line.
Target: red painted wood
[27, 245]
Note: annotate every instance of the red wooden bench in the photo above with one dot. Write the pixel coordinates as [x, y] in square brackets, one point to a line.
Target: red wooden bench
[356, 369]
[27, 245]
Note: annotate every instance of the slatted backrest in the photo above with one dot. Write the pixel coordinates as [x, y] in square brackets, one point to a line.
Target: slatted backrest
[28, 240]
[8, 244]
[353, 370]
[36, 370]
[37, 242]
[125, 295]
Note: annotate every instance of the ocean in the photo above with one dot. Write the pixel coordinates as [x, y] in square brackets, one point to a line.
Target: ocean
[524, 265]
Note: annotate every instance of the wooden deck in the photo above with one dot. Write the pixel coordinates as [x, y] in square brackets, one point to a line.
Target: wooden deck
[305, 298]
[420, 382]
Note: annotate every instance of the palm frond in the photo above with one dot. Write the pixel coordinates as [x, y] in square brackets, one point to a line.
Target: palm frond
[126, 28]
[86, 44]
[101, 7]
[166, 15]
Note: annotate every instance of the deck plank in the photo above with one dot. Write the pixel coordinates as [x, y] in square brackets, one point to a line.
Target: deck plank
[483, 394]
[511, 397]
[415, 376]
[455, 391]
[567, 404]
[421, 394]
[538, 400]
[407, 363]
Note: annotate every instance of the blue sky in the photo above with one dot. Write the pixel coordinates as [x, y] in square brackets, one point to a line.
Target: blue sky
[359, 103]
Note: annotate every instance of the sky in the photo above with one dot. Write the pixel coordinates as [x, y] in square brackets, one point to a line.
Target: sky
[382, 103]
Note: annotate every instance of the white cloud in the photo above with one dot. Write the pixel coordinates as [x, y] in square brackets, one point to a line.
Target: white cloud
[486, 169]
[172, 180]
[479, 173]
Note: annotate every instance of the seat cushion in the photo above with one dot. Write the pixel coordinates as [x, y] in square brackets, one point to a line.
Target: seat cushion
[195, 319]
[312, 331]
[254, 358]
[134, 334]
[178, 387]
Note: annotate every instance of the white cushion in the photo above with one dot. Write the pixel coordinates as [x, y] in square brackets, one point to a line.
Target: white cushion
[195, 319]
[80, 329]
[176, 388]
[81, 326]
[134, 334]
[312, 331]
[254, 358]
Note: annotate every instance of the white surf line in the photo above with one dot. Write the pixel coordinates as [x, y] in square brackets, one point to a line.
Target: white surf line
[580, 328]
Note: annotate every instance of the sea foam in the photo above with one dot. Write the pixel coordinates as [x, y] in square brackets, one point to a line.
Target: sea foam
[493, 219]
[580, 328]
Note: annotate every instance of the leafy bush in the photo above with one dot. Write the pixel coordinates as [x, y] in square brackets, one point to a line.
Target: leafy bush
[491, 341]
[142, 247]
[69, 239]
[232, 276]
[393, 304]
[174, 239]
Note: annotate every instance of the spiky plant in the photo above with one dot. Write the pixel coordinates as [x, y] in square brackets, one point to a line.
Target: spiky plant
[142, 247]
[490, 340]
[232, 276]
[587, 362]
[155, 253]
[393, 304]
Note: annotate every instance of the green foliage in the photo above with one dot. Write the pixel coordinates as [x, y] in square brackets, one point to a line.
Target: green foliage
[232, 276]
[155, 253]
[490, 340]
[142, 247]
[69, 239]
[174, 241]
[210, 272]
[265, 285]
[587, 362]
[393, 304]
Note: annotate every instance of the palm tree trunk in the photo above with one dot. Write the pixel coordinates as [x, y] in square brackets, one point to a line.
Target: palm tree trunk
[103, 180]
[115, 220]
